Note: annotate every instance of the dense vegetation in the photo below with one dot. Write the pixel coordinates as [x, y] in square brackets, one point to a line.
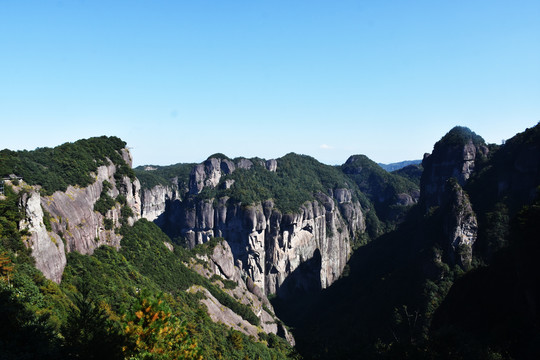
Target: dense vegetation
[114, 304]
[412, 173]
[68, 164]
[493, 309]
[164, 175]
[400, 296]
[459, 136]
[297, 179]
[381, 187]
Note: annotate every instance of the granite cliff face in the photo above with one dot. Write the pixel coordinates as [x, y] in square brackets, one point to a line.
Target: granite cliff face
[154, 201]
[74, 225]
[267, 244]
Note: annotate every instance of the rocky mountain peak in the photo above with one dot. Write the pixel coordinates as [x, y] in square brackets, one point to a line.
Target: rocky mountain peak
[454, 156]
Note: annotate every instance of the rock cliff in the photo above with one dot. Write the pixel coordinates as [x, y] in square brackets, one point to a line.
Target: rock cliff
[155, 200]
[74, 224]
[268, 245]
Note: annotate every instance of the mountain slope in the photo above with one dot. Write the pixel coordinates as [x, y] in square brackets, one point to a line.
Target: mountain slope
[395, 285]
[392, 195]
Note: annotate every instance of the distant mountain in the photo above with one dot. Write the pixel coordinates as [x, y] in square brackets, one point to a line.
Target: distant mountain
[396, 166]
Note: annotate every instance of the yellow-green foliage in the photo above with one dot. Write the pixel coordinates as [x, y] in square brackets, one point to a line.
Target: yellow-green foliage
[154, 331]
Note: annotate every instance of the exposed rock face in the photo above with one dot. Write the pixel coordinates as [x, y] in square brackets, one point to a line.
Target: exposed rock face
[209, 173]
[448, 161]
[221, 263]
[271, 165]
[244, 164]
[267, 245]
[460, 225]
[270, 246]
[222, 314]
[47, 247]
[154, 201]
[75, 224]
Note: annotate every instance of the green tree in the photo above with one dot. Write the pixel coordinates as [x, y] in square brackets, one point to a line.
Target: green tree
[88, 332]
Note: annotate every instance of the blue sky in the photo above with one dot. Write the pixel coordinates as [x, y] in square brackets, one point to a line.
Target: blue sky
[180, 80]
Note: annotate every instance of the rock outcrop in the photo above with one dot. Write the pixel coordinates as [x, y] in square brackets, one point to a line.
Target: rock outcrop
[208, 174]
[47, 247]
[221, 262]
[154, 201]
[75, 226]
[460, 225]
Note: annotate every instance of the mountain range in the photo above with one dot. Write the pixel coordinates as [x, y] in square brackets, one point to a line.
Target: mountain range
[271, 258]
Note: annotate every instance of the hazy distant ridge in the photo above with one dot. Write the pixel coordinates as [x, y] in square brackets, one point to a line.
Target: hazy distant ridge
[399, 165]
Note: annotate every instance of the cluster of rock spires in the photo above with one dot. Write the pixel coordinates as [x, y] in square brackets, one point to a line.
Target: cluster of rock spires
[267, 244]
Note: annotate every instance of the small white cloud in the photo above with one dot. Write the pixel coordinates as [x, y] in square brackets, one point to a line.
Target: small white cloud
[326, 147]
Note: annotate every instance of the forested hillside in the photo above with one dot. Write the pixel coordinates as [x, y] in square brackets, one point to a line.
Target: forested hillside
[69, 164]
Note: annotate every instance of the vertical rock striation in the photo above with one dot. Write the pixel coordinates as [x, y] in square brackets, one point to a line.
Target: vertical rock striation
[75, 226]
[460, 225]
[268, 246]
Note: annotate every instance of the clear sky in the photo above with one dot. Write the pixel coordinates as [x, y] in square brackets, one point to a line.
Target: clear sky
[181, 80]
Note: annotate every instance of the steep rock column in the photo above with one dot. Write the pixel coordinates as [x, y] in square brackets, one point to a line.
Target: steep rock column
[47, 247]
[460, 225]
[255, 225]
